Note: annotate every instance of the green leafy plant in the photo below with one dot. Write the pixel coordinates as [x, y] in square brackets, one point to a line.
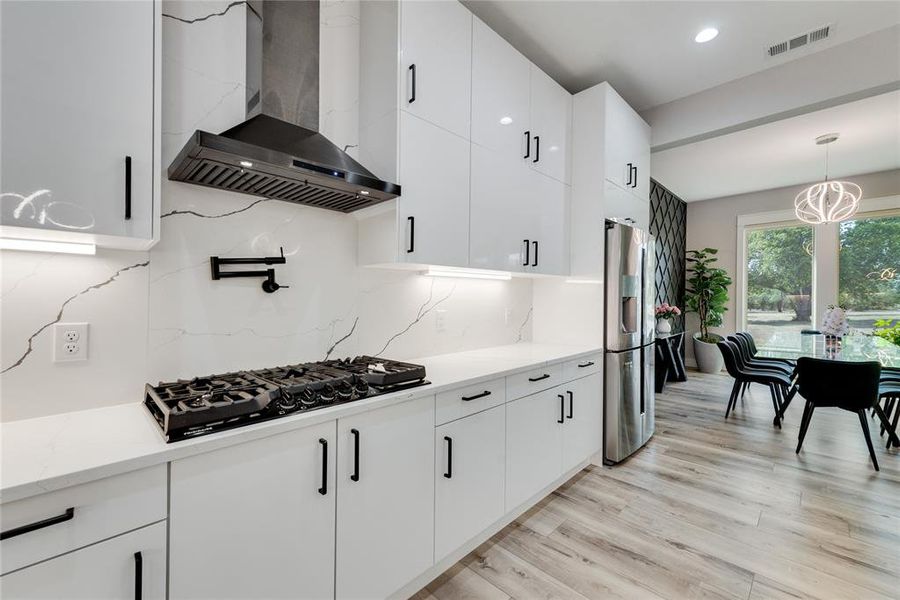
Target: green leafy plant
[707, 291]
[885, 329]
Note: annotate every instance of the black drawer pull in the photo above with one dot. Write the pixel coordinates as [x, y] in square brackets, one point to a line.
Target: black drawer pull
[535, 263]
[412, 96]
[355, 475]
[324, 489]
[634, 180]
[127, 188]
[537, 148]
[527, 253]
[412, 235]
[562, 409]
[586, 364]
[138, 576]
[449, 441]
[571, 402]
[527, 144]
[630, 171]
[66, 516]
[544, 376]
[476, 396]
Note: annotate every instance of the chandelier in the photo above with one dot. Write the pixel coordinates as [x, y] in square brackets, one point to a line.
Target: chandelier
[828, 201]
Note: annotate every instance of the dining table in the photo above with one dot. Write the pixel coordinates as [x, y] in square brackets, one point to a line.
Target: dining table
[857, 348]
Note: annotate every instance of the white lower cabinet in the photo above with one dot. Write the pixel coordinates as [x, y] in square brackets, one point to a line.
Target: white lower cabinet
[255, 520]
[468, 478]
[385, 491]
[583, 431]
[534, 430]
[132, 565]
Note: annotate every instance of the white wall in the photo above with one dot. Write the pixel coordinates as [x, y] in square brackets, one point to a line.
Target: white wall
[713, 223]
[158, 316]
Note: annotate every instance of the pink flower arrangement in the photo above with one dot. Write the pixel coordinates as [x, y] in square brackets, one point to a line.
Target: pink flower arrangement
[664, 311]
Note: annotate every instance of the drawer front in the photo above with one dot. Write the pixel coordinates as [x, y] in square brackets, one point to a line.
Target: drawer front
[582, 367]
[469, 400]
[535, 380]
[99, 510]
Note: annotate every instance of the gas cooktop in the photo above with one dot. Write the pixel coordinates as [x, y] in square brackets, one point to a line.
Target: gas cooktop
[189, 408]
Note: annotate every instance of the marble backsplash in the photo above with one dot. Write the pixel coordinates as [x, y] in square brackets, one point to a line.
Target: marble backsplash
[158, 315]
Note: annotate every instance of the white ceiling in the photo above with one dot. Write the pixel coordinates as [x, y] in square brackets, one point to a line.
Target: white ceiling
[784, 153]
[646, 50]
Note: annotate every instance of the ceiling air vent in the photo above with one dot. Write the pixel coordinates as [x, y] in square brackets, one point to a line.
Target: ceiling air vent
[804, 39]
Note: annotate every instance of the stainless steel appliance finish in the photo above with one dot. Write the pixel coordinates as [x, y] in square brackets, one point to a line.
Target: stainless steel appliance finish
[628, 401]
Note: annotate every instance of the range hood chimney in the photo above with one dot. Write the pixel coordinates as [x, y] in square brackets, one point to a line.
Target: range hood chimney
[277, 152]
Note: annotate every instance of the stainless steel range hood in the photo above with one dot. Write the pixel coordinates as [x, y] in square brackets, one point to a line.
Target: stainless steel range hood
[271, 154]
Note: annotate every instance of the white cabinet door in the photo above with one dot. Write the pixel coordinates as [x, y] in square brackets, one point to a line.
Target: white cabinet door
[433, 210]
[111, 570]
[534, 429]
[468, 478]
[640, 135]
[550, 226]
[385, 528]
[503, 212]
[551, 121]
[501, 95]
[77, 100]
[584, 420]
[623, 205]
[436, 54]
[255, 520]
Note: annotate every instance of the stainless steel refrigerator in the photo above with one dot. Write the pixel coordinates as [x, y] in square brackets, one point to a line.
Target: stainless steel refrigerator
[629, 349]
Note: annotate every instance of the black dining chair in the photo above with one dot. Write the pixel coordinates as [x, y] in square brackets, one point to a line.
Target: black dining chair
[778, 383]
[750, 343]
[889, 393]
[747, 360]
[850, 386]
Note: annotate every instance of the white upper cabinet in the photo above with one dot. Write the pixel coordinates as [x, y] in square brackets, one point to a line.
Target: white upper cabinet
[627, 143]
[270, 502]
[436, 63]
[549, 223]
[501, 95]
[80, 143]
[551, 119]
[434, 210]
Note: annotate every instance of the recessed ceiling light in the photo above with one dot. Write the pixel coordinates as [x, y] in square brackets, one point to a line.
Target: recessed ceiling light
[706, 35]
[506, 120]
[246, 163]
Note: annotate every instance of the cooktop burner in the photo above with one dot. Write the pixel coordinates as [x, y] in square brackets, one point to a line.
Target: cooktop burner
[190, 408]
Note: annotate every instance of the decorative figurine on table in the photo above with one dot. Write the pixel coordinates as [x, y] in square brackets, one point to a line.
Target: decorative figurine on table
[835, 325]
[664, 314]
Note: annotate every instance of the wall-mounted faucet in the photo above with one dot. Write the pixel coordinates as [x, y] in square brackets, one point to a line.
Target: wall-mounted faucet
[269, 285]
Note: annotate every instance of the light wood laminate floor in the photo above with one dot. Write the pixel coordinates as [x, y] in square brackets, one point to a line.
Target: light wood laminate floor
[708, 509]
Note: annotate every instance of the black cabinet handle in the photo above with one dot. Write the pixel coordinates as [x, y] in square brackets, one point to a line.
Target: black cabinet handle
[544, 376]
[630, 167]
[562, 409]
[635, 178]
[537, 148]
[66, 516]
[476, 396]
[449, 441]
[355, 475]
[324, 489]
[412, 96]
[127, 188]
[138, 576]
[535, 263]
[412, 235]
[585, 364]
[571, 402]
[527, 253]
[527, 144]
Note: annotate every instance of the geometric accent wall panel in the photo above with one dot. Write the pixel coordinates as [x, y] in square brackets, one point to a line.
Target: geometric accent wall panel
[668, 222]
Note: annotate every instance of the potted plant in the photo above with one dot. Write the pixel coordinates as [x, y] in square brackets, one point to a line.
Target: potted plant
[664, 314]
[707, 295]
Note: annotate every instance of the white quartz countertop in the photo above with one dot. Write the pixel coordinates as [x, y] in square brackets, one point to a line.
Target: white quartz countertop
[55, 452]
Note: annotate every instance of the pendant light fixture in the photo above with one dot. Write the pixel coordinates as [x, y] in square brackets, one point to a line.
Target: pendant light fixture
[829, 201]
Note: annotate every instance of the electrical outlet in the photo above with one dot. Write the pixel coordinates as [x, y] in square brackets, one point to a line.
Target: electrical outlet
[70, 342]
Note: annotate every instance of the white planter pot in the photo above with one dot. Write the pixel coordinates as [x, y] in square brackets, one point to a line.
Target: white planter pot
[708, 356]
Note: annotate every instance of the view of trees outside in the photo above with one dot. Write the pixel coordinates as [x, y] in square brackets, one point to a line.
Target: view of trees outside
[869, 277]
[779, 280]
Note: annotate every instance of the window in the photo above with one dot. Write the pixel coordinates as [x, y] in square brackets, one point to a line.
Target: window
[779, 266]
[869, 270]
